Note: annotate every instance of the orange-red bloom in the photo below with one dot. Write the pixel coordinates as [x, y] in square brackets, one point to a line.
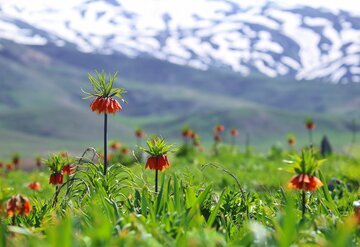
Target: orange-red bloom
[38, 162]
[115, 145]
[139, 133]
[68, 169]
[159, 163]
[357, 211]
[291, 141]
[234, 132]
[56, 178]
[18, 205]
[219, 128]
[217, 138]
[304, 182]
[310, 125]
[186, 133]
[124, 151]
[34, 186]
[194, 136]
[105, 105]
[9, 166]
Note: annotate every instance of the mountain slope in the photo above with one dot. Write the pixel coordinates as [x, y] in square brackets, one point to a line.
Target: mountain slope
[41, 107]
[298, 42]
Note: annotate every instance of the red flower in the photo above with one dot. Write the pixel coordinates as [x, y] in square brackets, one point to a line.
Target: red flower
[357, 211]
[139, 133]
[9, 167]
[38, 162]
[18, 205]
[115, 145]
[186, 133]
[124, 151]
[304, 182]
[1, 165]
[56, 178]
[194, 136]
[34, 186]
[234, 132]
[68, 169]
[310, 126]
[159, 163]
[291, 141]
[219, 128]
[217, 138]
[105, 105]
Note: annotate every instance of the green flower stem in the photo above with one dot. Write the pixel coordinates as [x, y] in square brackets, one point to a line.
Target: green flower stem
[156, 176]
[105, 144]
[303, 203]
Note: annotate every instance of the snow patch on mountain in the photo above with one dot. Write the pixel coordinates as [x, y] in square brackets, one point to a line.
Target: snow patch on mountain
[273, 38]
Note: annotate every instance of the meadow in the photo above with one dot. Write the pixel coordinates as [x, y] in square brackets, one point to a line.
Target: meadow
[160, 194]
[230, 197]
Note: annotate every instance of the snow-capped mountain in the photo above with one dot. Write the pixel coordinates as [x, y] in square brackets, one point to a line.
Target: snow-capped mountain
[274, 39]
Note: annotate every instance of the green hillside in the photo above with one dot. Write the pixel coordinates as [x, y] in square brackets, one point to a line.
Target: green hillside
[41, 106]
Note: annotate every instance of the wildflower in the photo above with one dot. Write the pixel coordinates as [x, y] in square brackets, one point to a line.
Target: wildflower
[219, 128]
[56, 178]
[186, 132]
[104, 101]
[159, 163]
[34, 186]
[9, 167]
[217, 138]
[18, 205]
[234, 132]
[305, 166]
[124, 151]
[139, 133]
[1, 164]
[115, 145]
[16, 159]
[291, 140]
[38, 161]
[56, 164]
[357, 210]
[309, 124]
[305, 182]
[68, 169]
[157, 160]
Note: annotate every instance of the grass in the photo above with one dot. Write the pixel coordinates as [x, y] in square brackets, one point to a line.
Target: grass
[231, 199]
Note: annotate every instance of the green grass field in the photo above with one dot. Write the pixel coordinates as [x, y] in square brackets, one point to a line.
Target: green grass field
[230, 199]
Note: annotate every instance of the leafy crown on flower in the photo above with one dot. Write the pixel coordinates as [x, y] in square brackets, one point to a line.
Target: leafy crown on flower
[306, 163]
[56, 162]
[102, 87]
[157, 146]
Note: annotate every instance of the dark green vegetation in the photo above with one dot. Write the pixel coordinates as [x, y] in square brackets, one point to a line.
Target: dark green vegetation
[41, 107]
[198, 204]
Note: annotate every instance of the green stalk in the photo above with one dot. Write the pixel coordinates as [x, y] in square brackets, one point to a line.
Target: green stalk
[303, 203]
[105, 144]
[156, 180]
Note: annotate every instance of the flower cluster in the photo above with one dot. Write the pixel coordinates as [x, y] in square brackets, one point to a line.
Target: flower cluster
[218, 129]
[310, 124]
[34, 186]
[305, 167]
[103, 91]
[157, 150]
[59, 165]
[18, 205]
